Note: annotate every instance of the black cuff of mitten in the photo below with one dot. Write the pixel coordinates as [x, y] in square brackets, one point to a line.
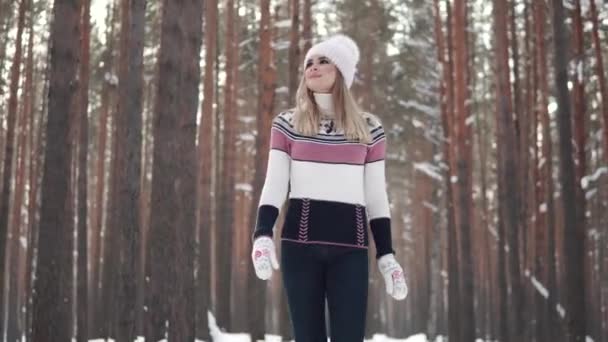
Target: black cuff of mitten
[267, 215]
[381, 231]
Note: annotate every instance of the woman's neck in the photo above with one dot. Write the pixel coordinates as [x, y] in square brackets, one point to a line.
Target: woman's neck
[325, 102]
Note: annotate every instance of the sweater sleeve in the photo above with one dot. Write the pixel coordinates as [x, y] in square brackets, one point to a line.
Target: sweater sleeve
[276, 183]
[376, 197]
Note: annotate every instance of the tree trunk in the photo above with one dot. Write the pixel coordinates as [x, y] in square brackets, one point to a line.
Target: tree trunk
[110, 239]
[527, 166]
[128, 159]
[580, 157]
[436, 279]
[519, 155]
[307, 25]
[32, 183]
[182, 320]
[217, 190]
[266, 91]
[454, 297]
[14, 255]
[509, 198]
[463, 165]
[35, 195]
[599, 65]
[7, 164]
[26, 227]
[574, 235]
[205, 167]
[6, 10]
[146, 181]
[83, 143]
[239, 233]
[99, 205]
[173, 203]
[503, 110]
[552, 223]
[294, 48]
[226, 200]
[53, 287]
[545, 250]
[579, 108]
[366, 64]
[484, 229]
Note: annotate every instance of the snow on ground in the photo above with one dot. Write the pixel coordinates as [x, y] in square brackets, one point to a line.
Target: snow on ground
[219, 336]
[230, 337]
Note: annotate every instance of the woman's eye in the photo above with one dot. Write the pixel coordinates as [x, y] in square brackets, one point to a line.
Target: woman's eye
[308, 65]
[324, 61]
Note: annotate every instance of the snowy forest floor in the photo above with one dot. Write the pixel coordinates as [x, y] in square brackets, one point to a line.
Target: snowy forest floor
[228, 337]
[220, 336]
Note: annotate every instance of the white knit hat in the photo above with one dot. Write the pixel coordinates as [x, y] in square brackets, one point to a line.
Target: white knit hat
[342, 51]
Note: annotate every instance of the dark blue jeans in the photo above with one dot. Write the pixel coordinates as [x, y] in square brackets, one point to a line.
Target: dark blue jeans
[311, 273]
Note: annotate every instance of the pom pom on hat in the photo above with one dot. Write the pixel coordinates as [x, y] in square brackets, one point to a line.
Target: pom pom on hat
[342, 51]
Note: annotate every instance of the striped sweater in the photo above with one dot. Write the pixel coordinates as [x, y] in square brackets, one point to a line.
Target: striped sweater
[335, 187]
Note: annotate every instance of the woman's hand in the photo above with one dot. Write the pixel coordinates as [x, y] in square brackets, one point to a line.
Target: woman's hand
[393, 276]
[264, 257]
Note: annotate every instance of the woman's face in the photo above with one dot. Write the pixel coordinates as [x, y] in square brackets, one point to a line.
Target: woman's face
[320, 74]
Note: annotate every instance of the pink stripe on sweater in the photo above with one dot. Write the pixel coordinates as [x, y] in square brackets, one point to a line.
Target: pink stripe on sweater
[279, 140]
[329, 153]
[376, 152]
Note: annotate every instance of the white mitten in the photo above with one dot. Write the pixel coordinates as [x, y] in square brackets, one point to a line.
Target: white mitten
[393, 276]
[264, 257]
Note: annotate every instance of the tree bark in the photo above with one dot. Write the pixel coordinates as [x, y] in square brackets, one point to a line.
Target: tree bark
[599, 65]
[463, 165]
[110, 239]
[436, 280]
[510, 197]
[226, 201]
[205, 167]
[527, 148]
[173, 201]
[266, 91]
[6, 11]
[546, 250]
[580, 157]
[574, 236]
[239, 233]
[99, 205]
[454, 297]
[26, 227]
[128, 164]
[35, 194]
[294, 48]
[83, 143]
[53, 287]
[307, 25]
[14, 255]
[7, 164]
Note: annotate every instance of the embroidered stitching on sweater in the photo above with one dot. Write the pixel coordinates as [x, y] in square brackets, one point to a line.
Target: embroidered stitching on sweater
[360, 225]
[305, 214]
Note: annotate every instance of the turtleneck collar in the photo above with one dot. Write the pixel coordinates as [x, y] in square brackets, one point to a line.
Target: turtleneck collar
[325, 102]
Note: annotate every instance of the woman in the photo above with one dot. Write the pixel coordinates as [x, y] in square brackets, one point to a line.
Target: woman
[328, 156]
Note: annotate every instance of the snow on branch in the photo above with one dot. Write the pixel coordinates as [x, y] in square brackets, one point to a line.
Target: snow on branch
[430, 111]
[429, 170]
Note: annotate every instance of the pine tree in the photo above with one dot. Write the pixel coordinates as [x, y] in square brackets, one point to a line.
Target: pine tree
[53, 287]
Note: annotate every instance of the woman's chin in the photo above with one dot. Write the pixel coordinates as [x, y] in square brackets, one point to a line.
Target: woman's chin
[318, 88]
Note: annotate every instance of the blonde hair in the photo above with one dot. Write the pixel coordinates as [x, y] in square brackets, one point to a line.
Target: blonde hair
[349, 116]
